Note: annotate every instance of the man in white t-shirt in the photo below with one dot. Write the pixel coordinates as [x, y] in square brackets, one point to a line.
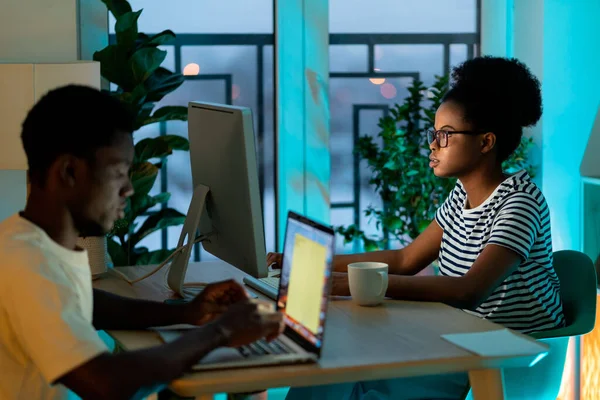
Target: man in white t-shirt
[79, 148]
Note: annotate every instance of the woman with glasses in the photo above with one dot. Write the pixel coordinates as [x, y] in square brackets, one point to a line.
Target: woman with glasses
[491, 236]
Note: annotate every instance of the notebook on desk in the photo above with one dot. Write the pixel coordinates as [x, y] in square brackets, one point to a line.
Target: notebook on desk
[308, 259]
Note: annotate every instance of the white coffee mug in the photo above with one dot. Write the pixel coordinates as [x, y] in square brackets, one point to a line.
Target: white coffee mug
[368, 282]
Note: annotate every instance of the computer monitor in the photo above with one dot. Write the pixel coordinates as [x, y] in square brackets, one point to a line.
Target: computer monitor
[223, 162]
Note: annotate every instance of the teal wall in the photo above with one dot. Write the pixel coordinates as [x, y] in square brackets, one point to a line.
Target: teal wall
[571, 90]
[302, 110]
[14, 192]
[495, 28]
[560, 41]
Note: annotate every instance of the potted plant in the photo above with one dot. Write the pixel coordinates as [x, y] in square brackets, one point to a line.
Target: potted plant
[400, 173]
[133, 66]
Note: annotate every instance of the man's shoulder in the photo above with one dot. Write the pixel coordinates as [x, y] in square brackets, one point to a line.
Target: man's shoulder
[17, 234]
[16, 225]
[21, 247]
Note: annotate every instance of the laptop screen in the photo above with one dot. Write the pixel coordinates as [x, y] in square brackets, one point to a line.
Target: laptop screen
[304, 282]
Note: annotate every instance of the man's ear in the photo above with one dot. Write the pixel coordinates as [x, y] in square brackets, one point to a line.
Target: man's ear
[68, 168]
[488, 142]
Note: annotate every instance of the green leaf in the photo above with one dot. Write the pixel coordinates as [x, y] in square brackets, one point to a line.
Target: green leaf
[154, 257]
[143, 113]
[145, 61]
[161, 198]
[152, 148]
[142, 203]
[135, 99]
[117, 7]
[161, 38]
[161, 83]
[370, 245]
[423, 225]
[141, 39]
[117, 253]
[120, 228]
[168, 113]
[176, 142]
[113, 61]
[412, 173]
[143, 176]
[160, 146]
[126, 28]
[162, 219]
[391, 165]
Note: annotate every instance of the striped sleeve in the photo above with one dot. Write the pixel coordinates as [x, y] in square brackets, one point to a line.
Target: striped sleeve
[517, 224]
[443, 214]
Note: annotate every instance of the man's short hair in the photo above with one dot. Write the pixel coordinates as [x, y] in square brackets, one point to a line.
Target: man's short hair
[73, 119]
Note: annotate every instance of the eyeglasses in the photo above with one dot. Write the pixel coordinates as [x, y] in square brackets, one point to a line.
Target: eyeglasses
[441, 136]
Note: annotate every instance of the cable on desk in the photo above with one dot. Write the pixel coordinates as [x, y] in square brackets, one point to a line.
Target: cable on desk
[167, 261]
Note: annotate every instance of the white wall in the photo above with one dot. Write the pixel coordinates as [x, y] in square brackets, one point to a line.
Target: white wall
[37, 31]
[40, 32]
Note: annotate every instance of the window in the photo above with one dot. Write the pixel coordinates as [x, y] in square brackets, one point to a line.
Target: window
[376, 49]
[226, 55]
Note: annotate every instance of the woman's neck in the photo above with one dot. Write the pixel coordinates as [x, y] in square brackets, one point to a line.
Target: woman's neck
[480, 184]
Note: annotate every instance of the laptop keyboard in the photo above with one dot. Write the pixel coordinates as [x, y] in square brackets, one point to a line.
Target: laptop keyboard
[268, 286]
[271, 281]
[262, 348]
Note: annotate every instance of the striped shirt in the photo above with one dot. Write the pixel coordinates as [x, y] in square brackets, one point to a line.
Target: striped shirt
[514, 216]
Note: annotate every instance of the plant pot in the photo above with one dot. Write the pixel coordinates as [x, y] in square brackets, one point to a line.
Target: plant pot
[97, 254]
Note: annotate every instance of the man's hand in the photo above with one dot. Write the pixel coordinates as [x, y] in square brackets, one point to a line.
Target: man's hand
[130, 374]
[339, 284]
[214, 300]
[275, 260]
[249, 321]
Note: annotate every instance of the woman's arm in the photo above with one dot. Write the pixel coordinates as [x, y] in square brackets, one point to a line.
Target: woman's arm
[490, 269]
[410, 260]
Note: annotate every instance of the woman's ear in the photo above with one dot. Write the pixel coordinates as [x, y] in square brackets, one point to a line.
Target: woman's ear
[488, 142]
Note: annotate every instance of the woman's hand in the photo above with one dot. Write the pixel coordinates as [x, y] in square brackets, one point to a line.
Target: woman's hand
[275, 260]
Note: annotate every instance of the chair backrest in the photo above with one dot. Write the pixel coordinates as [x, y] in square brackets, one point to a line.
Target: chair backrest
[577, 276]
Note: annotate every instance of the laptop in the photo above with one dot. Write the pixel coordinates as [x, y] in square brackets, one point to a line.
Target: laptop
[307, 259]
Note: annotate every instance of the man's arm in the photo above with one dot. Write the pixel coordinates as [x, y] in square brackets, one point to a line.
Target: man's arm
[115, 312]
[125, 375]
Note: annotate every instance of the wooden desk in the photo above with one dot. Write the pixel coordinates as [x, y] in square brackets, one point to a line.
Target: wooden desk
[397, 339]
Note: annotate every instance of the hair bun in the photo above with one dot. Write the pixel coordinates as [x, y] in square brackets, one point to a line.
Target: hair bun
[504, 83]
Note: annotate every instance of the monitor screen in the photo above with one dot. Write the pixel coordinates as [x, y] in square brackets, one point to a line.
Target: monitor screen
[304, 283]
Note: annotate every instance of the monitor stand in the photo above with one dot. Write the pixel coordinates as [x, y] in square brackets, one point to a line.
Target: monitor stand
[191, 227]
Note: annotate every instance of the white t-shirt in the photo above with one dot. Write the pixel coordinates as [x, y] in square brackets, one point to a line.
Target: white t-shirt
[45, 312]
[515, 216]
